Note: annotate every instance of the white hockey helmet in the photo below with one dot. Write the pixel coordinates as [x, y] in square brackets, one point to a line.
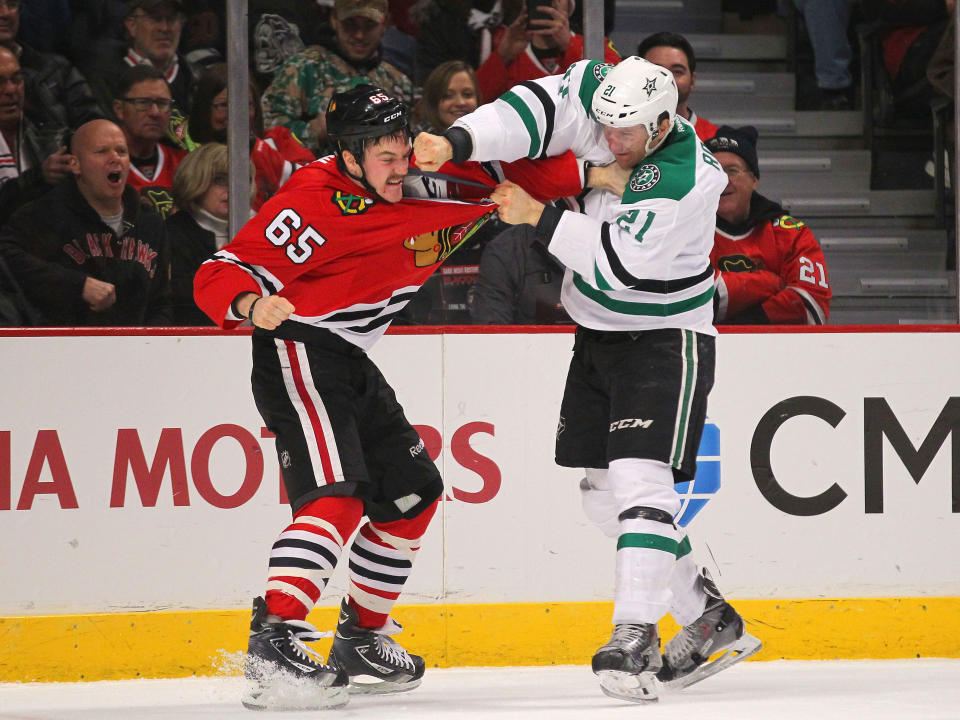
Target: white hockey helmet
[636, 92]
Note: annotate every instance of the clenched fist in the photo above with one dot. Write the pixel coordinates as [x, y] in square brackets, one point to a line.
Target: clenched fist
[98, 295]
[516, 206]
[265, 312]
[431, 151]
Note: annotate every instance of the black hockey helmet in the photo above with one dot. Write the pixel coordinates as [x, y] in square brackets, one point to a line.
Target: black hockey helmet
[361, 114]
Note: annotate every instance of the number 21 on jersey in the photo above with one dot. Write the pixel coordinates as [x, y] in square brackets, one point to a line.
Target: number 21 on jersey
[813, 276]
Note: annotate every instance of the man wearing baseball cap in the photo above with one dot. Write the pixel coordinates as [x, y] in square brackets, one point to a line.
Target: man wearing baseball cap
[769, 268]
[298, 96]
[153, 30]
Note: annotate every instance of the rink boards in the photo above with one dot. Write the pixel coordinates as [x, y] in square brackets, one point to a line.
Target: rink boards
[139, 496]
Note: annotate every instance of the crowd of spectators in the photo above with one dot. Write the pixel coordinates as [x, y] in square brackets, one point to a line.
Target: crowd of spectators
[113, 168]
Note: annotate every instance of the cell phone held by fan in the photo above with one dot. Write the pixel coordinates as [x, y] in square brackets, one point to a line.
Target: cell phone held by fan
[535, 13]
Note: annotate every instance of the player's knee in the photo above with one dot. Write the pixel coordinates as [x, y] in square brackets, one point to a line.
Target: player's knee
[643, 483]
[598, 503]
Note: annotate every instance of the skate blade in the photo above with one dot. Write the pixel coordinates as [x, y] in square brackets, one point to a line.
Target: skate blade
[289, 698]
[743, 648]
[640, 688]
[384, 687]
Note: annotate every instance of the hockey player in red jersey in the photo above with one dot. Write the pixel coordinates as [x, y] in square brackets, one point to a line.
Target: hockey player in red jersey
[769, 266]
[320, 272]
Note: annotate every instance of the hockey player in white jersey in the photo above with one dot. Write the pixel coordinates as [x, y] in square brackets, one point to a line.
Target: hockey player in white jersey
[639, 285]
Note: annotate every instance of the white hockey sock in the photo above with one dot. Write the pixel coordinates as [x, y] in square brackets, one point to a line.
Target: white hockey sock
[688, 601]
[599, 502]
[647, 547]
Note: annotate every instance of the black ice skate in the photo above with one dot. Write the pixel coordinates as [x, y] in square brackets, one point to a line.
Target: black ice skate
[686, 658]
[283, 673]
[628, 663]
[375, 662]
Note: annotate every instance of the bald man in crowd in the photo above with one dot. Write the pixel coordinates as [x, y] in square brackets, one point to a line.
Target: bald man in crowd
[89, 253]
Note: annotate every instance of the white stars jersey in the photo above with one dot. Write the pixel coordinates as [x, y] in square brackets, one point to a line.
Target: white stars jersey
[636, 263]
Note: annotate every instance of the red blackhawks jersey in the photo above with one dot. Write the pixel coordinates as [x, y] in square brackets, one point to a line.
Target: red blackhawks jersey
[774, 272]
[347, 262]
[495, 78]
[701, 126]
[158, 189]
[275, 156]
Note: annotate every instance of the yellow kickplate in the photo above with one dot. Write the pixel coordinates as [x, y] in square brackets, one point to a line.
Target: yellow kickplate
[114, 646]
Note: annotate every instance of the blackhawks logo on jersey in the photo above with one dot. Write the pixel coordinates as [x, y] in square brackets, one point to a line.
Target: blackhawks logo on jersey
[435, 246]
[351, 204]
[159, 199]
[788, 223]
[644, 178]
[738, 263]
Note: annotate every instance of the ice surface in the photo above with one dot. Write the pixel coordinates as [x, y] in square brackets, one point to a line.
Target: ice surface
[875, 689]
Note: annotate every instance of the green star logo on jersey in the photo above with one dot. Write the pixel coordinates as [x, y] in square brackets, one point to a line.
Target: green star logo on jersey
[644, 178]
[600, 71]
[351, 204]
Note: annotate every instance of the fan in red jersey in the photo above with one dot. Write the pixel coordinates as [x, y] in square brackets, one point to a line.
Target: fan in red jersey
[769, 266]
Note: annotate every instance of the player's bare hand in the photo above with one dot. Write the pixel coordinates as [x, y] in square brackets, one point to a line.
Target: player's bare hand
[56, 166]
[270, 311]
[516, 206]
[554, 27]
[431, 151]
[612, 178]
[98, 295]
[515, 39]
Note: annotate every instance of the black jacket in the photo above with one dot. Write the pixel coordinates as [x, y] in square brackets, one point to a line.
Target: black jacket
[53, 244]
[190, 245]
[30, 184]
[519, 282]
[57, 95]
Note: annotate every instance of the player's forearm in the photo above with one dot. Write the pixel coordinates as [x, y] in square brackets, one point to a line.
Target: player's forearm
[491, 132]
[241, 304]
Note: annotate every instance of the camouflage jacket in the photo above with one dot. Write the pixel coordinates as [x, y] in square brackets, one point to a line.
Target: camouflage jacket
[302, 88]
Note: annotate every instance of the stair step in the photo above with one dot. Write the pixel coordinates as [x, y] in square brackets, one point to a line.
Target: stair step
[745, 83]
[796, 124]
[894, 283]
[631, 29]
[814, 161]
[791, 172]
[710, 104]
[869, 261]
[858, 240]
[874, 203]
[710, 46]
[897, 311]
[870, 249]
[638, 18]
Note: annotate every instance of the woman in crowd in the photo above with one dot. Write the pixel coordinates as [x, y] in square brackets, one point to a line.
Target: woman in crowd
[450, 92]
[199, 228]
[274, 154]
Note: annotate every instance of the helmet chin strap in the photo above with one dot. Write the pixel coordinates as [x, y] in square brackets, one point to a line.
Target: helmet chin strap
[366, 183]
[363, 174]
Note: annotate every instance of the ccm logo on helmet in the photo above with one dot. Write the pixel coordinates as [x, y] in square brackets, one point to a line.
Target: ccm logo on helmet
[393, 117]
